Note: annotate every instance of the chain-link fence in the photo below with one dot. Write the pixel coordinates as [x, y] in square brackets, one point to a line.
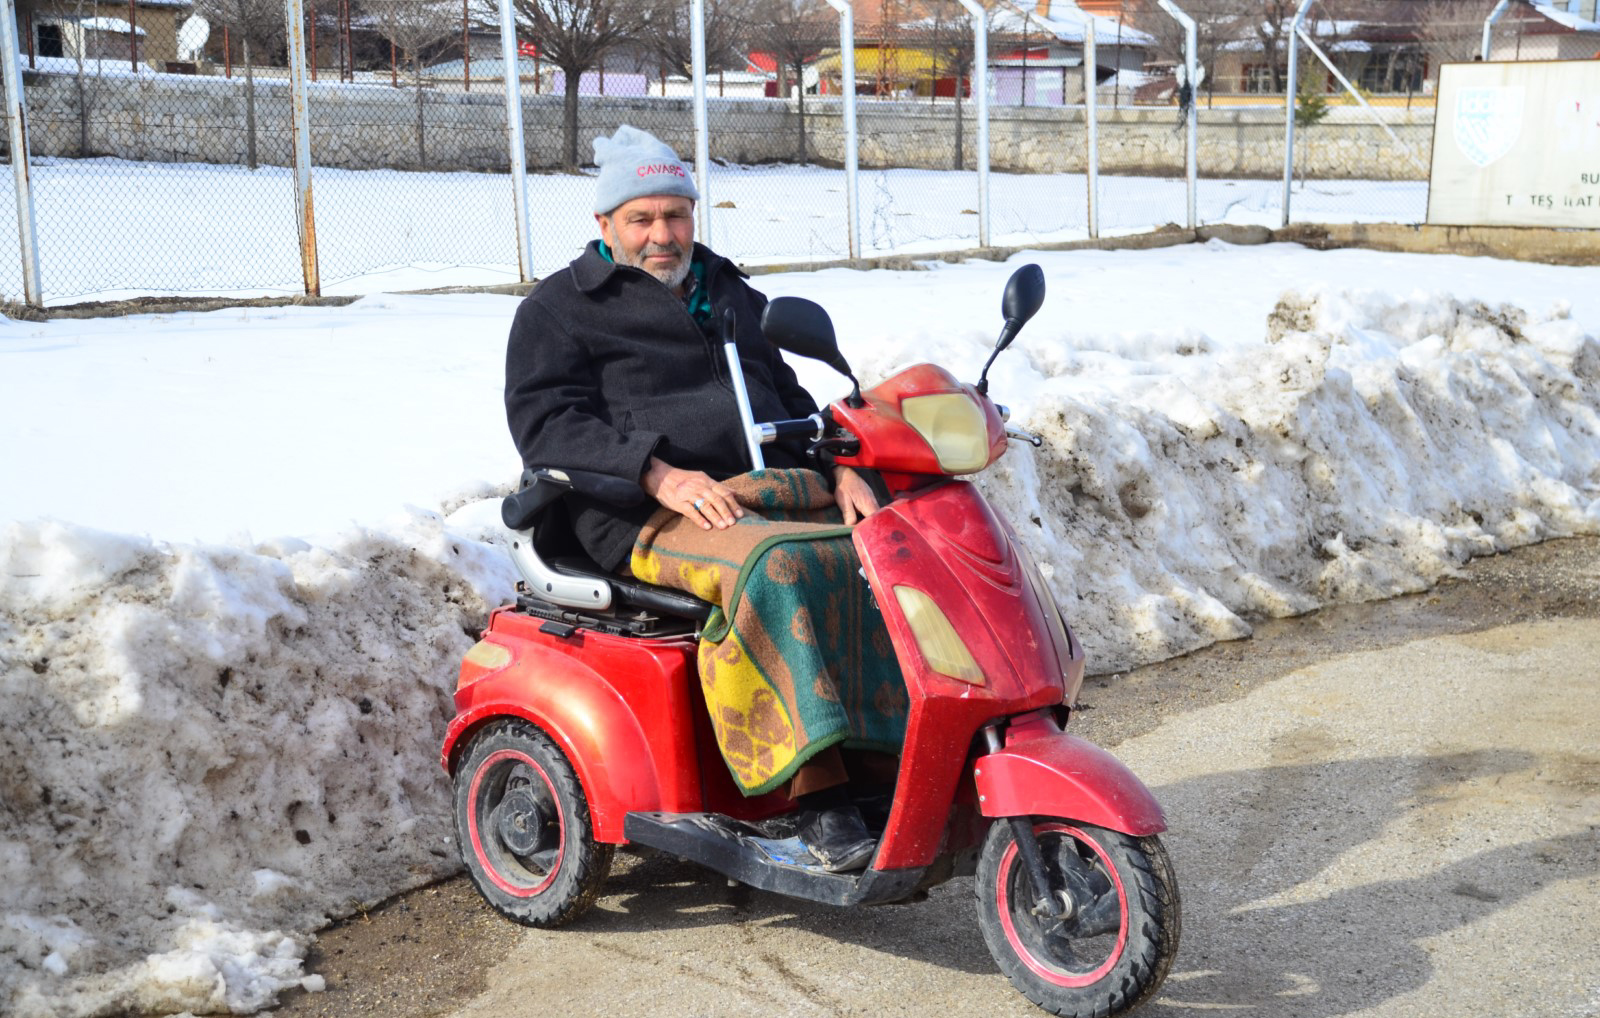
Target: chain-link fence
[169, 169]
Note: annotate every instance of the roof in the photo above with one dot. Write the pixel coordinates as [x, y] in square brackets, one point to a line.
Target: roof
[1065, 25]
[730, 77]
[1566, 19]
[109, 25]
[1343, 36]
[483, 67]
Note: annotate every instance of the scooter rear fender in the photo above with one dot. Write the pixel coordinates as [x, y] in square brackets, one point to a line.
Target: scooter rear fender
[1043, 771]
[568, 696]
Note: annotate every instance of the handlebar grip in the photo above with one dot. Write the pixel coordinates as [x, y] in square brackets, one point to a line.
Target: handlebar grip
[771, 431]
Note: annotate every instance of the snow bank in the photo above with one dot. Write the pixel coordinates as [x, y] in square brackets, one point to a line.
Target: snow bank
[1367, 450]
[211, 750]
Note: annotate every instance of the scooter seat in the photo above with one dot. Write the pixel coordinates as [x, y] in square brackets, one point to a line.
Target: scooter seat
[636, 593]
[537, 505]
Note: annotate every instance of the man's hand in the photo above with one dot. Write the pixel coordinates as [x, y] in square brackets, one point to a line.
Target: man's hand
[691, 493]
[853, 495]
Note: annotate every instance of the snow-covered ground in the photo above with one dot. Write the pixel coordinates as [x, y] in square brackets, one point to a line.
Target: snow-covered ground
[241, 551]
[112, 228]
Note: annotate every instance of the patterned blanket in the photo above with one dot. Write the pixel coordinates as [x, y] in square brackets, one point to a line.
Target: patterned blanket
[796, 658]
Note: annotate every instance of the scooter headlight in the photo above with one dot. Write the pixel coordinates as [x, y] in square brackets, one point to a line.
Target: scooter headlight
[936, 637]
[953, 425]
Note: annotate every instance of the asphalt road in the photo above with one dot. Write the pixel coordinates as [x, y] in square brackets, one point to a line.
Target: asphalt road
[1381, 810]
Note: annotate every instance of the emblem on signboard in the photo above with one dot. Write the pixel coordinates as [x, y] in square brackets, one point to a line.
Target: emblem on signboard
[1488, 121]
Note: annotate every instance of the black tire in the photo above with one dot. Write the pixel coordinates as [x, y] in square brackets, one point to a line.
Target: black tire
[522, 824]
[1113, 952]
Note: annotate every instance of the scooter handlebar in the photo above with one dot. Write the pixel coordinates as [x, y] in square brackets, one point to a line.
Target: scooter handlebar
[773, 430]
[1012, 431]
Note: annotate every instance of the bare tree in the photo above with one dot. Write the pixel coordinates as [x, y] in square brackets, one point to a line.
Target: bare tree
[1217, 24]
[946, 34]
[412, 26]
[1451, 31]
[726, 25]
[1269, 21]
[575, 36]
[795, 32]
[257, 23]
[74, 46]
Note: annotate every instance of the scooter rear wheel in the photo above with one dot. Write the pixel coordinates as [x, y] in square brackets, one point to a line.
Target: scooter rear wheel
[1111, 953]
[523, 827]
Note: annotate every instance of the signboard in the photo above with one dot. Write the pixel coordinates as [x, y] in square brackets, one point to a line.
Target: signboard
[1517, 144]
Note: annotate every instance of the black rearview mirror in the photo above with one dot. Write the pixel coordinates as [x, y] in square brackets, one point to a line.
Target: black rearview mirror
[799, 326]
[1023, 297]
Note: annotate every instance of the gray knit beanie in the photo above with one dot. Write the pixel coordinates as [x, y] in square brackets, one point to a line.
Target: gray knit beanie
[635, 163]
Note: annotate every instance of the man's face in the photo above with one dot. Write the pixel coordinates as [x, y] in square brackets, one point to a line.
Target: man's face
[654, 233]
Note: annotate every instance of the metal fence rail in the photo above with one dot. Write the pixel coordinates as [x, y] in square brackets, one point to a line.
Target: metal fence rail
[424, 170]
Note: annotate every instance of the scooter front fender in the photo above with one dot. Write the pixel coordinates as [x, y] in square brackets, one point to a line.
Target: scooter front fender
[1061, 775]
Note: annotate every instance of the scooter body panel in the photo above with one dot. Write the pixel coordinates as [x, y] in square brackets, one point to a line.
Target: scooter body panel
[947, 543]
[620, 709]
[1043, 771]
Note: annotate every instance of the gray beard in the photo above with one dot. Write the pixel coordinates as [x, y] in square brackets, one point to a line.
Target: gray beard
[673, 277]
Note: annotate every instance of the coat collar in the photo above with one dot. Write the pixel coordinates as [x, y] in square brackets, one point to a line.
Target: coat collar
[590, 270]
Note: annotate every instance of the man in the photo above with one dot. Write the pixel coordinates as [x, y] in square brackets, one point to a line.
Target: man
[615, 373]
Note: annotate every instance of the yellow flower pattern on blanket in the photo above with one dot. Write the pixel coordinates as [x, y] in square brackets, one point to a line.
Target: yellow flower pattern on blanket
[753, 729]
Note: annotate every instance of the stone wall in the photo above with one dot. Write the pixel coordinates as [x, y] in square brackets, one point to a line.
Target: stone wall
[174, 118]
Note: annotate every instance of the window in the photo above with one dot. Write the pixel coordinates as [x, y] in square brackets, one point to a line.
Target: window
[1258, 78]
[1399, 71]
[50, 40]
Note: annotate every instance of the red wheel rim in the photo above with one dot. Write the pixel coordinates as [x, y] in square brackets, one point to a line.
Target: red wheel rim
[490, 869]
[1041, 967]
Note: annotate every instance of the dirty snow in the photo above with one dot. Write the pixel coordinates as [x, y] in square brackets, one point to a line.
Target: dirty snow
[241, 552]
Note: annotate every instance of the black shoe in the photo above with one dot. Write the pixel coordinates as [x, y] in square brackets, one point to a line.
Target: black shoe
[838, 838]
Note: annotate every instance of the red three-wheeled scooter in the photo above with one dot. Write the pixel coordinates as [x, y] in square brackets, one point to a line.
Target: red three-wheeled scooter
[580, 723]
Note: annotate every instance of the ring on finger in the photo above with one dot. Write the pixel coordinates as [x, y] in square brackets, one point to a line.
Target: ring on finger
[699, 503]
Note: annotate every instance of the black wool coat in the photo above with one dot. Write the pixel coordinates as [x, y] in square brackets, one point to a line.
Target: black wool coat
[606, 368]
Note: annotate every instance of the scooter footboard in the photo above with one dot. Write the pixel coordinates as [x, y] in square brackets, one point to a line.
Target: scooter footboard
[1061, 775]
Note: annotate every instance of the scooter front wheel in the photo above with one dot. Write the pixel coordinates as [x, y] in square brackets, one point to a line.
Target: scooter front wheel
[1112, 949]
[523, 827]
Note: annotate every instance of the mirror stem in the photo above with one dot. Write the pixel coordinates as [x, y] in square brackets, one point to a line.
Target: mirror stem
[1007, 334]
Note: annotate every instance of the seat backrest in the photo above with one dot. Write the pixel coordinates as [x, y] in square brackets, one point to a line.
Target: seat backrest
[554, 568]
[540, 489]
[531, 509]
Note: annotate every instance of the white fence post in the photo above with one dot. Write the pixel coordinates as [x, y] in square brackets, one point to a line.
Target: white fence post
[1191, 43]
[847, 83]
[980, 86]
[300, 126]
[511, 60]
[1488, 25]
[1291, 86]
[702, 127]
[1091, 97]
[17, 114]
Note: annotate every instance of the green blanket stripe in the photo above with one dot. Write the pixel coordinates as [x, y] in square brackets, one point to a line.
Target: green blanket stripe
[717, 626]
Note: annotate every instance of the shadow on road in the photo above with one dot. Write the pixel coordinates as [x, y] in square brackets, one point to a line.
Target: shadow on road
[1243, 841]
[1362, 946]
[1246, 841]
